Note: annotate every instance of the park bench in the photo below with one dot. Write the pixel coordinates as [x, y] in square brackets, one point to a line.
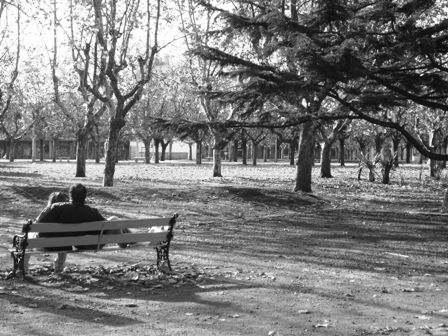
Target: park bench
[64, 158]
[137, 158]
[156, 232]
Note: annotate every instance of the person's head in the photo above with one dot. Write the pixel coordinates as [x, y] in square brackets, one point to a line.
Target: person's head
[78, 193]
[57, 197]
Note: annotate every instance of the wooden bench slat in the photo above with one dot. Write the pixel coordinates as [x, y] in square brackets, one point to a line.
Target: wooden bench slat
[96, 226]
[153, 238]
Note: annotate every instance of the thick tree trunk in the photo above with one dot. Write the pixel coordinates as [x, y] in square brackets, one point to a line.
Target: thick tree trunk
[164, 145]
[342, 151]
[12, 150]
[217, 148]
[292, 153]
[190, 151]
[386, 173]
[81, 153]
[156, 151]
[198, 152]
[408, 152]
[147, 144]
[217, 163]
[325, 160]
[116, 124]
[434, 169]
[235, 151]
[305, 158]
[254, 153]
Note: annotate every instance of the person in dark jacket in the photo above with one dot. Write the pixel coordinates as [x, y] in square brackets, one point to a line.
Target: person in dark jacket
[55, 197]
[75, 211]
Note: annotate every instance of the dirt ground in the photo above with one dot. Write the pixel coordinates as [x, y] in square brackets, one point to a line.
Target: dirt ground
[249, 256]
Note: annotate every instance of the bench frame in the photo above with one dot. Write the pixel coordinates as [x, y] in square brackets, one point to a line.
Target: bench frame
[161, 240]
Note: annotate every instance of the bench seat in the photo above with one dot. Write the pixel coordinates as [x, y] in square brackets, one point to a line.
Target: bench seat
[96, 236]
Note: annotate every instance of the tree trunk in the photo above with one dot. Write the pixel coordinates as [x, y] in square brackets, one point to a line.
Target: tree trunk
[81, 153]
[170, 151]
[147, 144]
[217, 148]
[371, 175]
[305, 158]
[41, 149]
[395, 146]
[434, 169]
[325, 160]
[198, 152]
[292, 152]
[53, 150]
[116, 124]
[342, 151]
[445, 202]
[33, 148]
[235, 151]
[190, 151]
[217, 163]
[12, 150]
[408, 152]
[254, 153]
[156, 151]
[164, 145]
[244, 150]
[386, 173]
[97, 150]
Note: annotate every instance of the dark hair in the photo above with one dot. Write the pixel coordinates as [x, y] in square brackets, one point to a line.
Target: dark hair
[57, 197]
[78, 193]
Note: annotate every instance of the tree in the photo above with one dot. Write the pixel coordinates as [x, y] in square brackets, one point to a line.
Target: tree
[329, 133]
[256, 136]
[15, 124]
[9, 62]
[115, 71]
[82, 108]
[204, 75]
[351, 51]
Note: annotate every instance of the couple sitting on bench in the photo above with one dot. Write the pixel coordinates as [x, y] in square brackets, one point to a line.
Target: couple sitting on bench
[61, 210]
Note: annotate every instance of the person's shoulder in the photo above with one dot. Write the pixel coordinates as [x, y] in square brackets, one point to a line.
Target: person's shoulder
[95, 212]
[60, 205]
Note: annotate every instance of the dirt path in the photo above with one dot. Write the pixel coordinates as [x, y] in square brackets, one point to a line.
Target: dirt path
[249, 256]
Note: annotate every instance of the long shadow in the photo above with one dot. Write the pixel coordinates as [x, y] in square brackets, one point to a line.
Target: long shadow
[51, 303]
[47, 293]
[338, 296]
[394, 244]
[272, 197]
[34, 193]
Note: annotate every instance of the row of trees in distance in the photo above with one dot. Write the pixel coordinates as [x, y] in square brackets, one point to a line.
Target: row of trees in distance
[303, 71]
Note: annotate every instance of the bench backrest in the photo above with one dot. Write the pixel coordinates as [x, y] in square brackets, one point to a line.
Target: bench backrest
[155, 230]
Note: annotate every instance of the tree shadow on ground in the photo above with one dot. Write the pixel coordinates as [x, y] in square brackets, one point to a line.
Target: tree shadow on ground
[51, 303]
[272, 197]
[120, 286]
[365, 240]
[37, 194]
